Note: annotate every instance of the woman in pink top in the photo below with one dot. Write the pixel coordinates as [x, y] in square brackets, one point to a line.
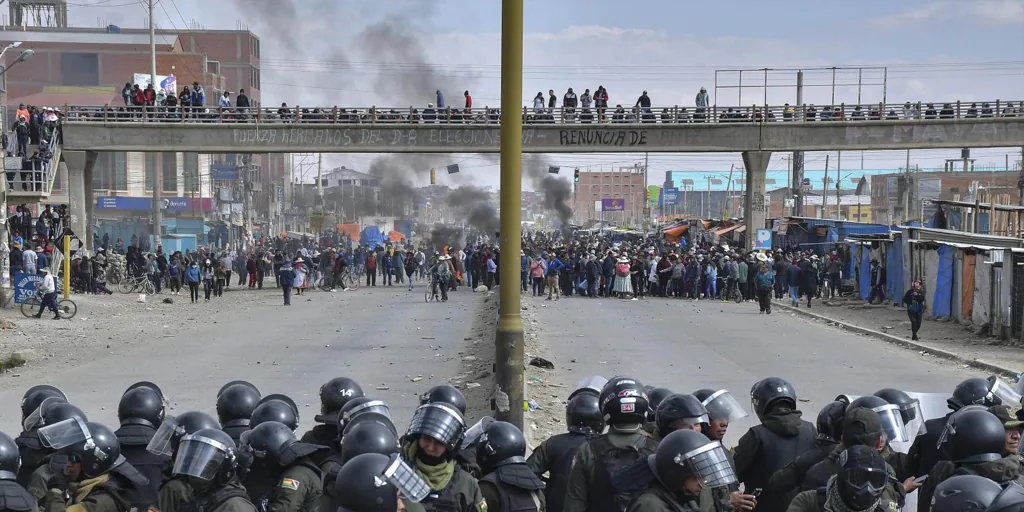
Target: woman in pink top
[537, 269]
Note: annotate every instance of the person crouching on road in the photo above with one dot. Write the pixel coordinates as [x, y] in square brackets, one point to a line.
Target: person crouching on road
[49, 290]
[286, 276]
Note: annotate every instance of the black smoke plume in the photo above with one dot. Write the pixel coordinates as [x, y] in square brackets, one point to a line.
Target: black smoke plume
[474, 205]
[442, 235]
[557, 192]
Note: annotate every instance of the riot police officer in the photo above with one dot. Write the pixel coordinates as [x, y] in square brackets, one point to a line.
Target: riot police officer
[554, 456]
[89, 456]
[35, 396]
[766, 448]
[677, 412]
[972, 443]
[445, 394]
[51, 412]
[175, 492]
[235, 403]
[924, 453]
[368, 437]
[972, 492]
[375, 437]
[857, 487]
[722, 409]
[654, 397]
[39, 408]
[624, 404]
[593, 385]
[13, 497]
[830, 432]
[277, 407]
[894, 428]
[436, 431]
[140, 412]
[372, 482]
[673, 478]
[281, 477]
[208, 460]
[508, 484]
[334, 394]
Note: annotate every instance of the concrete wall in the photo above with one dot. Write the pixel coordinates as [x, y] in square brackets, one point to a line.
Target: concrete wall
[473, 138]
[982, 290]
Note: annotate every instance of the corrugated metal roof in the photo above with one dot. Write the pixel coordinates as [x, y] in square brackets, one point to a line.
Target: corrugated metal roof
[84, 38]
[946, 236]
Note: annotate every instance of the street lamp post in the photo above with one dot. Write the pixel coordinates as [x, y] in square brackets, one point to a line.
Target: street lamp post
[25, 55]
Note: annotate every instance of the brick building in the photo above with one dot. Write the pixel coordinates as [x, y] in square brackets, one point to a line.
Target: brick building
[626, 184]
[889, 191]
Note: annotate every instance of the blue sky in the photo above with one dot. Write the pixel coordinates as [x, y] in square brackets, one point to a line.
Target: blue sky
[935, 50]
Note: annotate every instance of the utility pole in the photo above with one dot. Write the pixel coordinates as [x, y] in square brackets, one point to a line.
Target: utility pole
[158, 203]
[798, 156]
[824, 189]
[839, 180]
[246, 174]
[906, 192]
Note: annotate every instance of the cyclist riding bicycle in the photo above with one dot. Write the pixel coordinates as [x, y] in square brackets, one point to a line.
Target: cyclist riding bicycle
[440, 276]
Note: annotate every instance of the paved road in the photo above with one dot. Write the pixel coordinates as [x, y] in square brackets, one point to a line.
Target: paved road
[685, 346]
[372, 335]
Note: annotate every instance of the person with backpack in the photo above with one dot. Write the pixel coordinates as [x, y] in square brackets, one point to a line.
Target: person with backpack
[624, 404]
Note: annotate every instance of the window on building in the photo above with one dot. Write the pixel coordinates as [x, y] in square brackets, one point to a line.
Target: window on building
[190, 171]
[169, 172]
[149, 164]
[254, 78]
[110, 171]
[80, 68]
[254, 44]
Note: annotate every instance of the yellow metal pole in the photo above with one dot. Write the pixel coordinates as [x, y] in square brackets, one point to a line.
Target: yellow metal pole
[67, 266]
[509, 337]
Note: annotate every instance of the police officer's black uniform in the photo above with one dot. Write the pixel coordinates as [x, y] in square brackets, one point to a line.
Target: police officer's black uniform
[282, 478]
[554, 456]
[13, 497]
[207, 458]
[37, 401]
[235, 403]
[334, 394]
[508, 484]
[140, 412]
[830, 431]
[924, 453]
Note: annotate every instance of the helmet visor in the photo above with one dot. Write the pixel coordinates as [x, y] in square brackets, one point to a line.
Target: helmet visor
[865, 478]
[35, 418]
[710, 463]
[1005, 392]
[409, 484]
[64, 433]
[373, 406]
[594, 382]
[199, 457]
[892, 423]
[721, 405]
[439, 421]
[475, 432]
[161, 442]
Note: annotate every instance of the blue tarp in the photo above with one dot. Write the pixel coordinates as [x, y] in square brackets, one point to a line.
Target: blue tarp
[942, 300]
[371, 236]
[865, 272]
[894, 272]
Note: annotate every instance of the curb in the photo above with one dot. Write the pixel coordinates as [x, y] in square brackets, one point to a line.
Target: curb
[905, 343]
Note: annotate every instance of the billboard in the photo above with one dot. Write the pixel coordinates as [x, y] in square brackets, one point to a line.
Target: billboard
[669, 196]
[653, 195]
[165, 84]
[613, 205]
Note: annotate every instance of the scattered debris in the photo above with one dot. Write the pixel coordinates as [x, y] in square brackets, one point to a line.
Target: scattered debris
[540, 362]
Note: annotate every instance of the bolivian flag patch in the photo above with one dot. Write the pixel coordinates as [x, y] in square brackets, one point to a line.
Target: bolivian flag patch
[289, 483]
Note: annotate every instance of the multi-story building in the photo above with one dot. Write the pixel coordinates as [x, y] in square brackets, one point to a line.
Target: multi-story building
[613, 196]
[893, 193]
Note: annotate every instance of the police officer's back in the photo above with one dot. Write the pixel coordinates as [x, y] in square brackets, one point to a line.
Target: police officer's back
[508, 484]
[780, 438]
[235, 404]
[830, 432]
[924, 453]
[282, 477]
[429, 447]
[857, 486]
[140, 412]
[624, 404]
[208, 460]
[554, 456]
[334, 394]
[13, 497]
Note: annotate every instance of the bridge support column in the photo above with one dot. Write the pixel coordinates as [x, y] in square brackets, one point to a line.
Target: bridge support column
[756, 164]
[80, 195]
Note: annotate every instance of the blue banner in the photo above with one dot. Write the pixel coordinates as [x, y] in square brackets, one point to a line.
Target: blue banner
[123, 203]
[763, 241]
[669, 196]
[25, 287]
[224, 172]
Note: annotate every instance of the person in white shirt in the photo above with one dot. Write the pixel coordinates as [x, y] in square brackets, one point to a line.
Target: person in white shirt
[29, 260]
[49, 290]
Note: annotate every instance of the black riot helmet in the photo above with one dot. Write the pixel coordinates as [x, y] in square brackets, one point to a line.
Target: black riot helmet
[141, 405]
[686, 453]
[583, 415]
[721, 405]
[830, 422]
[34, 397]
[973, 435]
[680, 411]
[593, 385]
[973, 391]
[334, 394]
[442, 422]
[445, 394]
[623, 401]
[965, 493]
[861, 478]
[242, 382]
[1010, 500]
[235, 404]
[274, 409]
[275, 443]
[10, 458]
[910, 408]
[207, 454]
[173, 428]
[371, 482]
[146, 384]
[768, 392]
[654, 398]
[91, 444]
[501, 443]
[368, 437]
[359, 406]
[370, 417]
[52, 410]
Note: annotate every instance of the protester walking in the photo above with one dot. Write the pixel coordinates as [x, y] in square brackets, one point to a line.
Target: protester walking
[914, 300]
[192, 276]
[286, 278]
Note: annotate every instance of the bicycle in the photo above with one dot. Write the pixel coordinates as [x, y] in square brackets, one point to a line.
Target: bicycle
[66, 308]
[346, 278]
[431, 292]
[141, 283]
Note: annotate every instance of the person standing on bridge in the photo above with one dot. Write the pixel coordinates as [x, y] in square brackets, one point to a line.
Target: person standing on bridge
[702, 101]
[469, 100]
[440, 99]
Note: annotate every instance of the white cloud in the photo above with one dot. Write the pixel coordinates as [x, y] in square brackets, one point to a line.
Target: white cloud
[977, 12]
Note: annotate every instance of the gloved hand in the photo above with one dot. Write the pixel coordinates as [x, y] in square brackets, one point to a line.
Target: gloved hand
[57, 482]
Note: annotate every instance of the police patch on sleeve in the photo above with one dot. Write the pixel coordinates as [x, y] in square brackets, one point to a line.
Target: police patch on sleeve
[290, 483]
[483, 505]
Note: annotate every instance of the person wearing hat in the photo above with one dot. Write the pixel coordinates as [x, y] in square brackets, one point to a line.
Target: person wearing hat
[299, 267]
[764, 281]
[49, 290]
[1013, 427]
[858, 485]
